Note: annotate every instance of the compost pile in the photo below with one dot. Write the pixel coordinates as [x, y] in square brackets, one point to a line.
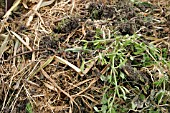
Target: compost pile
[59, 56]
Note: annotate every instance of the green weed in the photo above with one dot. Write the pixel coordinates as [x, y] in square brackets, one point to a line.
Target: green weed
[116, 53]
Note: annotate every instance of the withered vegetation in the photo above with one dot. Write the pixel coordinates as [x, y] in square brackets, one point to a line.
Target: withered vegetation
[51, 60]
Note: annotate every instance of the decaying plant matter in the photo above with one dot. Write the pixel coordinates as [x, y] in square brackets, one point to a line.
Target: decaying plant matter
[85, 56]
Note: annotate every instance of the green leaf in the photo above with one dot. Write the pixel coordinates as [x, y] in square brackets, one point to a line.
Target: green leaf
[164, 53]
[142, 97]
[161, 81]
[104, 108]
[159, 96]
[146, 4]
[133, 105]
[104, 99]
[110, 78]
[122, 75]
[82, 65]
[103, 78]
[29, 108]
[113, 110]
[140, 48]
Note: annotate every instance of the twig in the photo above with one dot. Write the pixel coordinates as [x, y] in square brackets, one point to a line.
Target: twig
[26, 52]
[35, 9]
[11, 9]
